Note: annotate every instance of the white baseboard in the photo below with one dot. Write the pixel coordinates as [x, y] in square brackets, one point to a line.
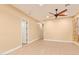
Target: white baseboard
[76, 43]
[11, 50]
[32, 41]
[59, 41]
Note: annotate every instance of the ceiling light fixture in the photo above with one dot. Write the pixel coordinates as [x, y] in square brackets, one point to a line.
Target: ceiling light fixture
[66, 5]
[41, 4]
[47, 16]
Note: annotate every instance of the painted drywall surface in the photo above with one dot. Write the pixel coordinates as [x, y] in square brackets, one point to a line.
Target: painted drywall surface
[10, 33]
[9, 29]
[40, 12]
[35, 31]
[60, 29]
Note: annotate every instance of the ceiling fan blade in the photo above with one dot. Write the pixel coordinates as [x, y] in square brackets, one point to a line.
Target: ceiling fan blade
[51, 13]
[62, 12]
[62, 15]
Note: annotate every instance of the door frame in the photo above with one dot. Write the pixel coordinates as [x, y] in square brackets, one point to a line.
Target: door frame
[27, 32]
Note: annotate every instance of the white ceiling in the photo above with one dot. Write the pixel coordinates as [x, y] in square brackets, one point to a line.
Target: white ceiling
[41, 12]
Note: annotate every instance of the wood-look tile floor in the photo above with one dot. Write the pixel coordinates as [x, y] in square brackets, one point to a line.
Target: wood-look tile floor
[42, 47]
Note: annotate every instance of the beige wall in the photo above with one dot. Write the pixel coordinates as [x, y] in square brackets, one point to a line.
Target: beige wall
[35, 32]
[10, 33]
[9, 29]
[59, 30]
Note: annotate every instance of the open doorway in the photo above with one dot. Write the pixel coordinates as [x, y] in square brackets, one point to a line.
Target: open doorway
[77, 28]
[24, 34]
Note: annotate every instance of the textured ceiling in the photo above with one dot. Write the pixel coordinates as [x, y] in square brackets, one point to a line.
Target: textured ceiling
[41, 12]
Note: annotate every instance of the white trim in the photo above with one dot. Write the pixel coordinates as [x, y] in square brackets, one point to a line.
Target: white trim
[32, 41]
[76, 43]
[59, 41]
[64, 41]
[11, 50]
[27, 32]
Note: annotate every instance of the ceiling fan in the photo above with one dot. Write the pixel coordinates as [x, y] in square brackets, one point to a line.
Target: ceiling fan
[61, 13]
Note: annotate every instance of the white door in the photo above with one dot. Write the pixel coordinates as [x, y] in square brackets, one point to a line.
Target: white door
[24, 31]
